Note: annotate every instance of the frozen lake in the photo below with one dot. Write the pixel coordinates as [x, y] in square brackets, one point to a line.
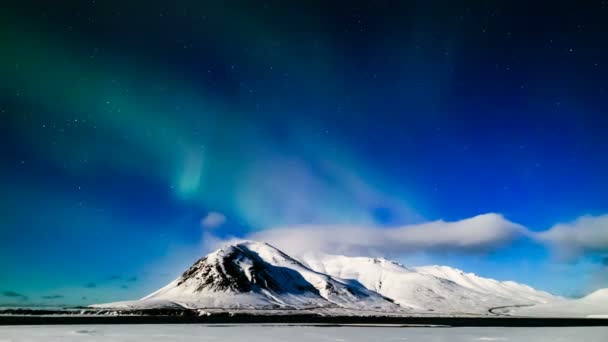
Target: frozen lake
[267, 333]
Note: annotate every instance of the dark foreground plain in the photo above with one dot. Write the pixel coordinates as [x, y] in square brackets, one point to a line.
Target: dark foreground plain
[185, 317]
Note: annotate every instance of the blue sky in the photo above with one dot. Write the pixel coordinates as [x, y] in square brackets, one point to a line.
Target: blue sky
[125, 125]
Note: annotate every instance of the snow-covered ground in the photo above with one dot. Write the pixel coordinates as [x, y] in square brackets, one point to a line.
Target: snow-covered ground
[270, 333]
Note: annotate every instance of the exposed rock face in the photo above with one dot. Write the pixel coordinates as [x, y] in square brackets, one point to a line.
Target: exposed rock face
[239, 269]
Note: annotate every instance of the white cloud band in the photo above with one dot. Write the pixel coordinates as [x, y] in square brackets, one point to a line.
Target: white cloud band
[587, 234]
[482, 233]
[476, 234]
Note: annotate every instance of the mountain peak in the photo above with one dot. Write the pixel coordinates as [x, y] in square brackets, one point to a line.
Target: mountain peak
[239, 268]
[245, 244]
[252, 243]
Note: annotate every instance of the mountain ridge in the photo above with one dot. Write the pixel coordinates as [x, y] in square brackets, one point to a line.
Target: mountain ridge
[258, 276]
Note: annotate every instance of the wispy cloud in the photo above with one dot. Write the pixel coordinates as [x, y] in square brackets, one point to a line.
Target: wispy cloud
[474, 235]
[587, 234]
[52, 297]
[213, 220]
[14, 294]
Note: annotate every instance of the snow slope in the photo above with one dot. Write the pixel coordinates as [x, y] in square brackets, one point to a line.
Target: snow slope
[506, 289]
[443, 290]
[593, 305]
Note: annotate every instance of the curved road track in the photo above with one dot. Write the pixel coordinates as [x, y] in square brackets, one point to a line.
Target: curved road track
[504, 307]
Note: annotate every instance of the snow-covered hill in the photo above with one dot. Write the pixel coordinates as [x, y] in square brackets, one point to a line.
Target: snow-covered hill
[592, 305]
[254, 275]
[433, 288]
[509, 290]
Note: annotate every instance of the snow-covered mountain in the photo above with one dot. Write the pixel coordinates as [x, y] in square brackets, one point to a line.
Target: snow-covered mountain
[254, 275]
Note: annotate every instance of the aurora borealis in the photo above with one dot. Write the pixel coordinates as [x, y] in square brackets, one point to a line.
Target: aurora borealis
[125, 124]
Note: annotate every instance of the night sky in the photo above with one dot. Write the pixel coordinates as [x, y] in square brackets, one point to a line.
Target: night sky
[134, 134]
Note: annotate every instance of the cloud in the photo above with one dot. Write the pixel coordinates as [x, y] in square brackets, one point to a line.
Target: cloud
[52, 297]
[14, 294]
[473, 235]
[585, 235]
[213, 220]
